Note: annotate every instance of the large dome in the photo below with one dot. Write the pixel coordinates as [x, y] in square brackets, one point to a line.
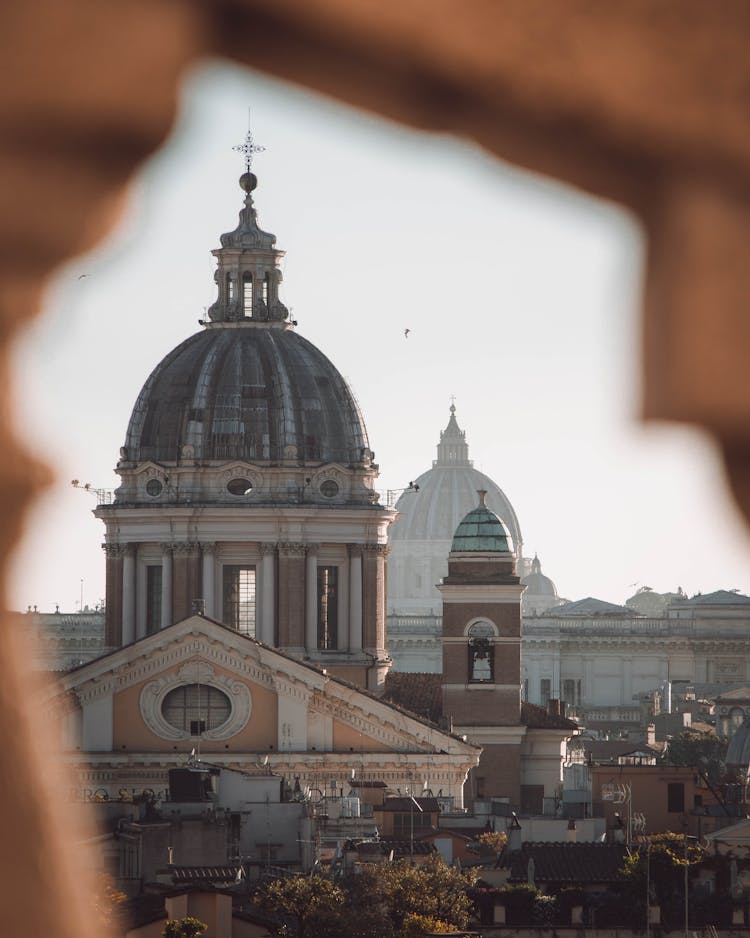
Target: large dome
[429, 514]
[447, 492]
[249, 392]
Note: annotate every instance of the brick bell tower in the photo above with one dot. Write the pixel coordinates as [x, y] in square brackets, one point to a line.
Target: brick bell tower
[482, 650]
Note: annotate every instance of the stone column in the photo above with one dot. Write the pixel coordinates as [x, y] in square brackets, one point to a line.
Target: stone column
[113, 613]
[311, 598]
[627, 682]
[373, 599]
[355, 598]
[267, 631]
[128, 594]
[291, 595]
[166, 585]
[185, 575]
[208, 552]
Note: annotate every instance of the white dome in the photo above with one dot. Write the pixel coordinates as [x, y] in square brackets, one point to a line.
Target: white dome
[421, 537]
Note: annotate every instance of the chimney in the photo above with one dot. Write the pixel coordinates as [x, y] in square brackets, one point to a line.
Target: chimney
[572, 831]
[514, 833]
[651, 734]
[553, 707]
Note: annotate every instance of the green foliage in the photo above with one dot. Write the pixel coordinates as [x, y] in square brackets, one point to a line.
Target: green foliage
[704, 751]
[665, 858]
[314, 905]
[375, 902]
[398, 890]
[416, 926]
[187, 927]
[544, 911]
[492, 841]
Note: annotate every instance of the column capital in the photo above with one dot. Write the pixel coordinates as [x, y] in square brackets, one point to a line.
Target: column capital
[208, 547]
[312, 549]
[267, 547]
[381, 550]
[166, 547]
[292, 549]
[115, 551]
[185, 547]
[355, 550]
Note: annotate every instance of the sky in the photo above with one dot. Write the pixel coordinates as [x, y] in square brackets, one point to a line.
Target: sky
[522, 297]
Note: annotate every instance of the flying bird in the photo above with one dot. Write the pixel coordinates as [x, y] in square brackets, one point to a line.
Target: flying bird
[406, 333]
[81, 276]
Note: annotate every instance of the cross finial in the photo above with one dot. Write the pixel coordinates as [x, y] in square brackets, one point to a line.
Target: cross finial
[453, 403]
[248, 147]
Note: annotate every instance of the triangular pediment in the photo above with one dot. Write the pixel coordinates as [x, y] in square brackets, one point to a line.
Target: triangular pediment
[199, 641]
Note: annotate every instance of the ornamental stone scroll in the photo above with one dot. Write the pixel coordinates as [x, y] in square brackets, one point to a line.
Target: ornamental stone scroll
[195, 672]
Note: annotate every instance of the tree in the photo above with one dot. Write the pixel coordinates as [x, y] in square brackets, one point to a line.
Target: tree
[312, 905]
[394, 891]
[392, 900]
[704, 751]
[187, 927]
[665, 857]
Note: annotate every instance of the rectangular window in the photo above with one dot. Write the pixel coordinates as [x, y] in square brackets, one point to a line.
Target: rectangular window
[153, 599]
[675, 797]
[532, 799]
[403, 824]
[328, 607]
[569, 691]
[239, 598]
[545, 690]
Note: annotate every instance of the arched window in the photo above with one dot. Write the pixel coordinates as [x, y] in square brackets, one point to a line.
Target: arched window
[481, 653]
[247, 293]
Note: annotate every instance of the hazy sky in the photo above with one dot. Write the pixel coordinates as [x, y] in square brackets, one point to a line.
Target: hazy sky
[522, 298]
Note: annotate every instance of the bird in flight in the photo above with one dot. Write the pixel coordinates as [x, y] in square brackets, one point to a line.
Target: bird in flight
[81, 276]
[406, 333]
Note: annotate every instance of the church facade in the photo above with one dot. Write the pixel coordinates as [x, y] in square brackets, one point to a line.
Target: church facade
[246, 553]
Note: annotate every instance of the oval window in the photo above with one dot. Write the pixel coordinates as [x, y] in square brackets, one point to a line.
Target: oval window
[195, 708]
[240, 487]
[329, 488]
[154, 487]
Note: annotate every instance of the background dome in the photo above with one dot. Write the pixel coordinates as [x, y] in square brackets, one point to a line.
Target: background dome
[537, 583]
[422, 536]
[250, 393]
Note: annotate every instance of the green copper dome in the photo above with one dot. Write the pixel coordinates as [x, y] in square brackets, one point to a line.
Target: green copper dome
[481, 531]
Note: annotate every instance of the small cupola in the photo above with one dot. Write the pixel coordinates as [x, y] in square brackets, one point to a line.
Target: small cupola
[482, 532]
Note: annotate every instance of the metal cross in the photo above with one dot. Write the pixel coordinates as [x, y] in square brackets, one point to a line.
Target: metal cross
[248, 147]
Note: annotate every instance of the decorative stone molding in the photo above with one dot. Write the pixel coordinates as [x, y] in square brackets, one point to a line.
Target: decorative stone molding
[292, 549]
[166, 548]
[484, 620]
[241, 470]
[114, 551]
[267, 547]
[194, 672]
[355, 550]
[382, 550]
[185, 547]
[312, 549]
[208, 547]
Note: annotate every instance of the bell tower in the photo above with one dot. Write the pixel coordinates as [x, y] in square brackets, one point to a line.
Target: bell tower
[482, 649]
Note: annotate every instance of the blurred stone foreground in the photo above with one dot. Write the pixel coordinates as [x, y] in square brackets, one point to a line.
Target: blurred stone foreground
[640, 103]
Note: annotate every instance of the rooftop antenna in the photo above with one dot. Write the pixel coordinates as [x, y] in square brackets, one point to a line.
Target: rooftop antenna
[248, 147]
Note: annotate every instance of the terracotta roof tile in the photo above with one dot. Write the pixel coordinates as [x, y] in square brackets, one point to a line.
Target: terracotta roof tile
[567, 863]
